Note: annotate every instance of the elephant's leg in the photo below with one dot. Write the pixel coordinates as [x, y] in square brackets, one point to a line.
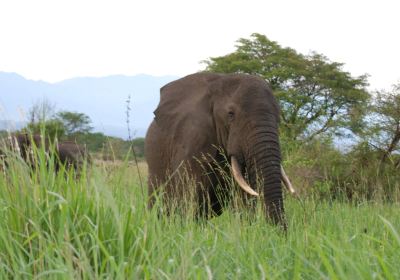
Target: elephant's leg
[214, 195]
[208, 205]
[218, 199]
[204, 196]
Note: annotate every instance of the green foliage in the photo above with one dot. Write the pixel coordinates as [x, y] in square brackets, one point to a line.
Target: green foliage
[42, 120]
[383, 126]
[138, 145]
[75, 126]
[116, 148]
[315, 94]
[319, 170]
[98, 227]
[362, 175]
[319, 102]
[51, 128]
[110, 148]
[3, 133]
[312, 165]
[94, 141]
[74, 122]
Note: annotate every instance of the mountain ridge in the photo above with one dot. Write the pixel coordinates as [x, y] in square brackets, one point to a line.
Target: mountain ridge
[103, 99]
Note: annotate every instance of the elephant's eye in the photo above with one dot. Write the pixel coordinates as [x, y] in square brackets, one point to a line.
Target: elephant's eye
[231, 115]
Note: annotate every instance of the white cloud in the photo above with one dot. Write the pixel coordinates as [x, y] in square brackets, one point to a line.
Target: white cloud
[54, 40]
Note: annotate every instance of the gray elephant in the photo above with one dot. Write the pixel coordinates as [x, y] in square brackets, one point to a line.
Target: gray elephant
[21, 144]
[204, 119]
[68, 153]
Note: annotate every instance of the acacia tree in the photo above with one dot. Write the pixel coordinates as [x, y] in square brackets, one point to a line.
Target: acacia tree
[74, 122]
[383, 132]
[315, 94]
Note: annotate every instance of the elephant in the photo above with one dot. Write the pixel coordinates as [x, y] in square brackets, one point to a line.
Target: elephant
[68, 153]
[202, 122]
[21, 144]
[72, 154]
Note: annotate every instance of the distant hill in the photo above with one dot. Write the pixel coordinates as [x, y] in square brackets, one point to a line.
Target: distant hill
[102, 99]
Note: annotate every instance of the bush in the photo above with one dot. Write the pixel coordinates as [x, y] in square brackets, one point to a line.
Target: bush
[319, 169]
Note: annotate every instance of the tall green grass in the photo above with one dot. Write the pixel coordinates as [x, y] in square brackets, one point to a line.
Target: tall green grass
[57, 226]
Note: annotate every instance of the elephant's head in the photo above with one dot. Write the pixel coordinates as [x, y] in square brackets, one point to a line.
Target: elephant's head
[246, 120]
[237, 113]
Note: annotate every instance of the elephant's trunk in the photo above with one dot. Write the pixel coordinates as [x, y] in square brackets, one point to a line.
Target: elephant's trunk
[264, 166]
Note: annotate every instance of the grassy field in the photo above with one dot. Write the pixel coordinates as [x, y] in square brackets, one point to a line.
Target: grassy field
[56, 227]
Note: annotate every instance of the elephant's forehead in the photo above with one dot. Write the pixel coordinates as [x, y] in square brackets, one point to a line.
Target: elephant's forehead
[254, 97]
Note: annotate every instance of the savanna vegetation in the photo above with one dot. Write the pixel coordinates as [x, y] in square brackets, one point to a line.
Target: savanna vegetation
[338, 138]
[75, 126]
[340, 146]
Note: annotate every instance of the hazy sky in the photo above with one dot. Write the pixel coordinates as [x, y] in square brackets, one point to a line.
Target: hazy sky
[55, 40]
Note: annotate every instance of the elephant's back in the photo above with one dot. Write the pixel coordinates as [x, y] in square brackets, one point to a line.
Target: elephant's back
[190, 81]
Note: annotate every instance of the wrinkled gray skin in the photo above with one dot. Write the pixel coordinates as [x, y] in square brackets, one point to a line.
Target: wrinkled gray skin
[203, 114]
[68, 153]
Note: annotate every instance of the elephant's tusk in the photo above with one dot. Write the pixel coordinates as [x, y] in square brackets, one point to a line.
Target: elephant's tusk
[237, 174]
[286, 182]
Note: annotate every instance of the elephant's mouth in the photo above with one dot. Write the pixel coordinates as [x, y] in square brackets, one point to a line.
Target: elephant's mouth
[238, 176]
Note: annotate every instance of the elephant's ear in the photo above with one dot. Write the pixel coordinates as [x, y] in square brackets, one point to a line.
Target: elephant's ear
[183, 104]
[185, 110]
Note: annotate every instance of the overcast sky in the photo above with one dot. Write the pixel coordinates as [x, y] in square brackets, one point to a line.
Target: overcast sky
[55, 40]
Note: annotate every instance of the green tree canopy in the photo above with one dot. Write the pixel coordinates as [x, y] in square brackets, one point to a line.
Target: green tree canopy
[383, 124]
[52, 128]
[315, 94]
[74, 122]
